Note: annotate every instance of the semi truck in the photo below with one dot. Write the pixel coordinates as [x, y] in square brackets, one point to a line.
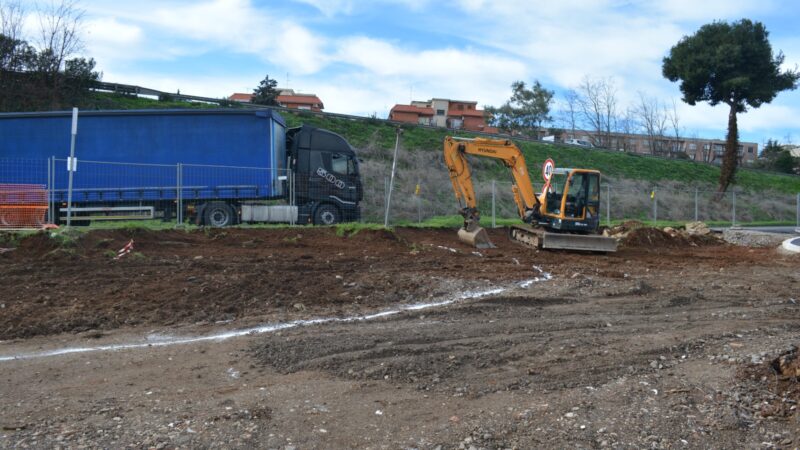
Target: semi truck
[213, 167]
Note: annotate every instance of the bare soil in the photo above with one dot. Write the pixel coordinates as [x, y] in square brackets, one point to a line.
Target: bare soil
[669, 343]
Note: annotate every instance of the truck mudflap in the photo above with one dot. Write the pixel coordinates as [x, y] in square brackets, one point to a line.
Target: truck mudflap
[540, 239]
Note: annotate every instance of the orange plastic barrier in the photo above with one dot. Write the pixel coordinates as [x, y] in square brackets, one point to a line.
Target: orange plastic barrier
[23, 205]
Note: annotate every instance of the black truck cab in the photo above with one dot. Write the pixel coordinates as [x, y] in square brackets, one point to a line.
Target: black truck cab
[327, 184]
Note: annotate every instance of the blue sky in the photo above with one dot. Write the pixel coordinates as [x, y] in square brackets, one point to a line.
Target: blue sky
[362, 57]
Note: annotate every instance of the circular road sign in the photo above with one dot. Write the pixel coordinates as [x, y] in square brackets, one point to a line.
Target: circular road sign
[548, 168]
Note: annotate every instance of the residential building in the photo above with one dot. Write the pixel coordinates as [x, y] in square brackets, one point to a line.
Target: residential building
[445, 113]
[294, 100]
[288, 99]
[239, 97]
[695, 149]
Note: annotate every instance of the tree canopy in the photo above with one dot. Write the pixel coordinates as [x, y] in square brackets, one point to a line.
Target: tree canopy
[527, 109]
[266, 93]
[729, 63]
[30, 79]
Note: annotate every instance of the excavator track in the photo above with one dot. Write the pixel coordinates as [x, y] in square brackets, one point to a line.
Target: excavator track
[538, 238]
[527, 236]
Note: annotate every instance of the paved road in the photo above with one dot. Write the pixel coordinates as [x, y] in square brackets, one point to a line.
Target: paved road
[783, 230]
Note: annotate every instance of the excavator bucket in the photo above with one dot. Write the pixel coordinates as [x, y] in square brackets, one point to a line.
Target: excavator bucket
[477, 238]
[472, 233]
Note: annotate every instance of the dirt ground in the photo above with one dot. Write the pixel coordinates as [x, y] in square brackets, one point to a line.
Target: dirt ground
[668, 343]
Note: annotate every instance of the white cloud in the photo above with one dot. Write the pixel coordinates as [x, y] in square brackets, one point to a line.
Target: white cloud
[177, 29]
[448, 72]
[331, 8]
[706, 10]
[490, 45]
[110, 40]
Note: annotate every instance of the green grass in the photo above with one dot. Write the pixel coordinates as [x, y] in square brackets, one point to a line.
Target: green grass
[351, 229]
[612, 164]
[102, 100]
[153, 224]
[641, 167]
[456, 221]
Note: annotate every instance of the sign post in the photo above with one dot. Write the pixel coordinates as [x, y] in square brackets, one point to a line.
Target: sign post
[72, 164]
[398, 131]
[548, 168]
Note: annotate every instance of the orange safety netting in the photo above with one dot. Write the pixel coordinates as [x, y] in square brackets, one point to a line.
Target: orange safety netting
[23, 205]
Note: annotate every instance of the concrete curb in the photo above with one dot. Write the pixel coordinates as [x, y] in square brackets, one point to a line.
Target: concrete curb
[792, 244]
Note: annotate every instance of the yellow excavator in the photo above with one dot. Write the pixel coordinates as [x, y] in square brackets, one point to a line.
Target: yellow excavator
[565, 215]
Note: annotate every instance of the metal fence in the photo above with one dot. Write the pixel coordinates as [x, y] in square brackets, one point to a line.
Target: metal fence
[421, 191]
[417, 202]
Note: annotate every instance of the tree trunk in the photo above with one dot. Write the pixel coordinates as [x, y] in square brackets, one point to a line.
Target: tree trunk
[731, 157]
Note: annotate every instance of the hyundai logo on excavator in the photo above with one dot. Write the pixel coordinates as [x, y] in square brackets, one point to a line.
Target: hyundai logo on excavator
[487, 150]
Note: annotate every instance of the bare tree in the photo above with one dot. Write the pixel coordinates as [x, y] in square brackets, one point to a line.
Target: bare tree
[675, 124]
[12, 16]
[60, 25]
[598, 106]
[569, 114]
[627, 125]
[653, 120]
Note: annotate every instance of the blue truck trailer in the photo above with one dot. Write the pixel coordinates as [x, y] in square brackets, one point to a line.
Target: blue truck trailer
[217, 167]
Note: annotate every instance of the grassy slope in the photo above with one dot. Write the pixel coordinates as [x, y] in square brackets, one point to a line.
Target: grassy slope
[613, 164]
[361, 133]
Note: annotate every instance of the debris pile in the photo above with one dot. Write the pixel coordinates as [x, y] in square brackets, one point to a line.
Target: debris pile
[637, 234]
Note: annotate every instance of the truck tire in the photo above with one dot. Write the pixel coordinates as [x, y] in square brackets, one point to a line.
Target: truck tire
[327, 215]
[218, 215]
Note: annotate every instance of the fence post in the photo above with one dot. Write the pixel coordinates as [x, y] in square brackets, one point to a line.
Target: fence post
[385, 196]
[291, 186]
[418, 191]
[733, 209]
[655, 206]
[179, 193]
[71, 165]
[49, 192]
[695, 204]
[494, 223]
[398, 131]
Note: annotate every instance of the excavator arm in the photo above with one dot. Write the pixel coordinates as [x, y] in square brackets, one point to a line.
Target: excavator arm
[455, 151]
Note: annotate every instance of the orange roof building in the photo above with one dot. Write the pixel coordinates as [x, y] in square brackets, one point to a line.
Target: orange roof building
[445, 113]
[288, 99]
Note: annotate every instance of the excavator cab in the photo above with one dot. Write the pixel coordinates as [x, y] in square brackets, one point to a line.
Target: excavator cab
[572, 201]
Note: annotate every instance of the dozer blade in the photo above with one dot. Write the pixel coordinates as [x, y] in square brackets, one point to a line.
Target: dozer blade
[478, 238]
[582, 242]
[538, 238]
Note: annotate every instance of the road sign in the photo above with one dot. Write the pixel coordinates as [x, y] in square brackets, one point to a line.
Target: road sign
[548, 168]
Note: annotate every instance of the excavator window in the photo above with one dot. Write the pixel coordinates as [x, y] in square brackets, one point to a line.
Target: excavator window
[557, 184]
[576, 196]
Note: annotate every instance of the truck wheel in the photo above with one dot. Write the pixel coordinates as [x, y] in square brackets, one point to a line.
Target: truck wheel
[327, 215]
[219, 214]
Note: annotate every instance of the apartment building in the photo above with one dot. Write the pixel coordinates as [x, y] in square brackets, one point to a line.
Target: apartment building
[696, 149]
[445, 113]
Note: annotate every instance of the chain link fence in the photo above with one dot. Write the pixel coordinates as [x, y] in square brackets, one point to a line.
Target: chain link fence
[421, 191]
[417, 202]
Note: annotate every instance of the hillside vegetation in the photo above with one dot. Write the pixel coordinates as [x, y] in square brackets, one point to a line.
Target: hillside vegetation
[615, 165]
[377, 135]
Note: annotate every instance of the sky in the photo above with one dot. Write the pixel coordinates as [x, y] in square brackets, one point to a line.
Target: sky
[362, 57]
